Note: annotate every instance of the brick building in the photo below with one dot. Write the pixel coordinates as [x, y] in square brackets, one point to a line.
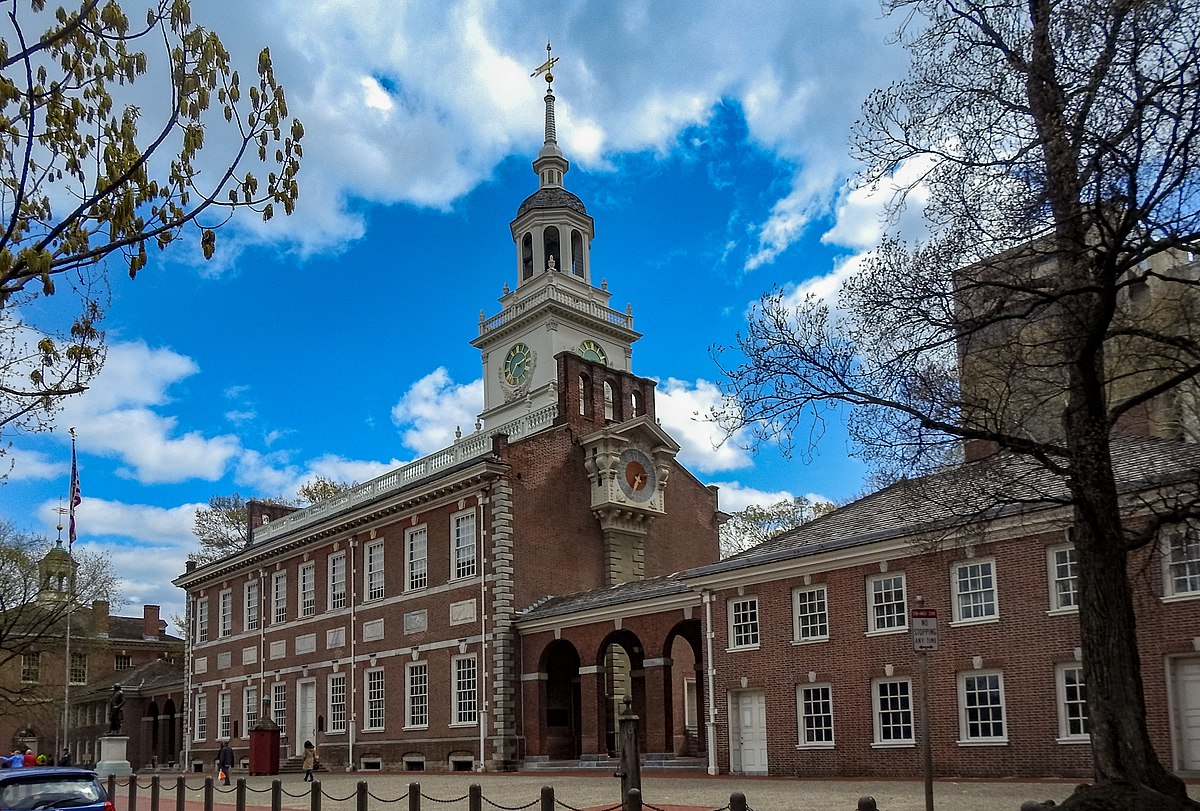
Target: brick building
[382, 623]
[105, 649]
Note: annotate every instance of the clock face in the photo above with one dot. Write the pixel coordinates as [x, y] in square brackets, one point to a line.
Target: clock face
[593, 351]
[636, 475]
[518, 363]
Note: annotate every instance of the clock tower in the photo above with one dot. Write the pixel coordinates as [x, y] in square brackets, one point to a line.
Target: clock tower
[554, 307]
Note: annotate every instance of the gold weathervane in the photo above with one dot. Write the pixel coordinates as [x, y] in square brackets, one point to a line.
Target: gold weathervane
[546, 66]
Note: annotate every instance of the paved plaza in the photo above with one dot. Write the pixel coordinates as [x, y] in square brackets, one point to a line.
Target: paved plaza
[676, 792]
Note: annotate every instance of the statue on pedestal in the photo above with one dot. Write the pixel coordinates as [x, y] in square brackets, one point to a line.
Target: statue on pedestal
[116, 706]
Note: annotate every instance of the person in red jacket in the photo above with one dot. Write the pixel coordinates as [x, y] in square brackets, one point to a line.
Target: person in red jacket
[30, 757]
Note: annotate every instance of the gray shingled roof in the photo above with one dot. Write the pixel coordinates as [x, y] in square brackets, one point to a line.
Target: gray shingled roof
[649, 588]
[151, 678]
[998, 485]
[551, 197]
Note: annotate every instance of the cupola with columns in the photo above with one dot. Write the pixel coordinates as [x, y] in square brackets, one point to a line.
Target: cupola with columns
[554, 306]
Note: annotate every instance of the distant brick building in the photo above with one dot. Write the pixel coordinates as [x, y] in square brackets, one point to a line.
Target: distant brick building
[104, 650]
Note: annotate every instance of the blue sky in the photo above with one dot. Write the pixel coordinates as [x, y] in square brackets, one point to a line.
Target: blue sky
[709, 141]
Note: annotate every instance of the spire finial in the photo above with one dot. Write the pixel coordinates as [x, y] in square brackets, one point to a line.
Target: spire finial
[551, 135]
[545, 68]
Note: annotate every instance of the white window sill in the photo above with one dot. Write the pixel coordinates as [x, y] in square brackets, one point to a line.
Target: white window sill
[974, 621]
[987, 742]
[887, 631]
[415, 726]
[739, 648]
[893, 744]
[1181, 598]
[813, 641]
[801, 747]
[1067, 611]
[366, 730]
[1073, 740]
[463, 725]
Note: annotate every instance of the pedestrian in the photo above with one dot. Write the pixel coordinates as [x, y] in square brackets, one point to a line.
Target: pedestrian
[16, 760]
[65, 760]
[30, 757]
[310, 761]
[225, 762]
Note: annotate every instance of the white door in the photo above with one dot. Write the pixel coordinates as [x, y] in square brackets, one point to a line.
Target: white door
[1187, 692]
[306, 714]
[748, 738]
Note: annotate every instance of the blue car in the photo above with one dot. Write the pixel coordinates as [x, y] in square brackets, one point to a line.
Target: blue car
[37, 788]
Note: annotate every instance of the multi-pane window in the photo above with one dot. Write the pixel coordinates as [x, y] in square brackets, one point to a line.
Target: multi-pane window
[981, 706]
[224, 721]
[31, 667]
[374, 696]
[123, 661]
[337, 581]
[416, 562]
[417, 706]
[337, 702]
[974, 586]
[202, 619]
[78, 670]
[1183, 563]
[279, 704]
[249, 710]
[811, 611]
[1064, 577]
[887, 608]
[743, 622]
[814, 708]
[463, 544]
[374, 585]
[1072, 703]
[251, 605]
[201, 718]
[466, 695]
[279, 597]
[892, 701]
[225, 618]
[308, 589]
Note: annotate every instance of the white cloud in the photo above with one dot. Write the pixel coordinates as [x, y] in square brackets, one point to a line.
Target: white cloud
[434, 407]
[32, 465]
[116, 418]
[99, 518]
[683, 408]
[734, 496]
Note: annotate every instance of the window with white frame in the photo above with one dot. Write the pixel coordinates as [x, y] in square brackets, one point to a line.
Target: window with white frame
[1072, 703]
[973, 583]
[465, 709]
[252, 600]
[224, 721]
[814, 712]
[279, 597]
[416, 558]
[279, 704]
[892, 704]
[249, 710]
[307, 589]
[202, 620]
[78, 673]
[1063, 569]
[337, 581]
[374, 584]
[225, 616]
[1183, 563]
[743, 622]
[123, 661]
[416, 710]
[201, 731]
[887, 605]
[981, 707]
[463, 544]
[810, 610]
[337, 702]
[31, 667]
[374, 696]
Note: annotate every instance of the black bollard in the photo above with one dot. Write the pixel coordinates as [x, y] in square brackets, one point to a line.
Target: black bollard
[414, 797]
[737, 801]
[276, 795]
[474, 797]
[360, 794]
[867, 803]
[547, 798]
[314, 796]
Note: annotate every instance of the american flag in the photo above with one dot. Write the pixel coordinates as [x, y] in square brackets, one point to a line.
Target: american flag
[75, 496]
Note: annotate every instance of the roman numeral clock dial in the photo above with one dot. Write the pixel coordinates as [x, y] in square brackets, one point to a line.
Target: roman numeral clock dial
[518, 364]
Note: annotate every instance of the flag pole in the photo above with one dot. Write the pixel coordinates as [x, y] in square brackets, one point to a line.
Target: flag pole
[73, 503]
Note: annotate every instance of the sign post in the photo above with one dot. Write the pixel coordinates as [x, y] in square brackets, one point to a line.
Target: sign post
[923, 625]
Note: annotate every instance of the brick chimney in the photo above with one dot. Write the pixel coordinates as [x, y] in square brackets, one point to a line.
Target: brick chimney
[100, 617]
[150, 628]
